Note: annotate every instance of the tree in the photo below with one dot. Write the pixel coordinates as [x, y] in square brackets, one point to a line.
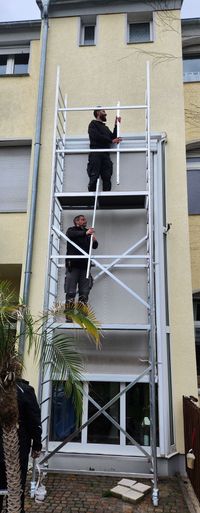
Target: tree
[58, 350]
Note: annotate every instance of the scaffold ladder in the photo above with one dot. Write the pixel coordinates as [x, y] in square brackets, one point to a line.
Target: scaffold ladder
[59, 152]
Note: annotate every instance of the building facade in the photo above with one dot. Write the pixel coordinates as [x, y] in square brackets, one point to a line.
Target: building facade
[191, 61]
[102, 52]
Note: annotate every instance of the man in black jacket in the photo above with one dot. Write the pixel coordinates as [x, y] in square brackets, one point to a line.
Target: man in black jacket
[100, 164]
[30, 432]
[76, 268]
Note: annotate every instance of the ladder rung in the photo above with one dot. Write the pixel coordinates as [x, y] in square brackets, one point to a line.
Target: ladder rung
[43, 439]
[46, 418]
[44, 400]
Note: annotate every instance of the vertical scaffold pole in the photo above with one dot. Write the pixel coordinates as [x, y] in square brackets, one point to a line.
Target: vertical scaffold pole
[118, 146]
[152, 342]
[93, 223]
[47, 304]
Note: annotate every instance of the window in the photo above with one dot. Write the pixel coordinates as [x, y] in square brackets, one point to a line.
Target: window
[63, 418]
[14, 177]
[131, 410]
[139, 32]
[102, 431]
[193, 184]
[191, 69]
[139, 28]
[14, 61]
[87, 31]
[196, 309]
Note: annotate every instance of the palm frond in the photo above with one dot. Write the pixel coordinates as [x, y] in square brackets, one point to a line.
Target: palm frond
[84, 316]
[62, 361]
[57, 353]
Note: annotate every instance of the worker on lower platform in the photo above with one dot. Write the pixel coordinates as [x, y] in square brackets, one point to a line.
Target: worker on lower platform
[76, 268]
[101, 137]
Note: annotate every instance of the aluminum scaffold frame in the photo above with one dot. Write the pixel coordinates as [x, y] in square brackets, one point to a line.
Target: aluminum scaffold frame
[58, 196]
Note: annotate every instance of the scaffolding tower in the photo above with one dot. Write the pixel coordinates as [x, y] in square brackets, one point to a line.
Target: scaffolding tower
[135, 199]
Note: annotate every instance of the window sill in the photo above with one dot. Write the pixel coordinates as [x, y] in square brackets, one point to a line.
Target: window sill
[86, 46]
[191, 81]
[15, 75]
[139, 42]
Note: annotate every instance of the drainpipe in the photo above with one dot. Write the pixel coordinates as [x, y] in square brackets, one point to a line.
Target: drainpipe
[36, 157]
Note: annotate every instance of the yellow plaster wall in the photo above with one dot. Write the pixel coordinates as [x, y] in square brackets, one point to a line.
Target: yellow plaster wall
[192, 111]
[12, 236]
[104, 74]
[194, 226]
[18, 96]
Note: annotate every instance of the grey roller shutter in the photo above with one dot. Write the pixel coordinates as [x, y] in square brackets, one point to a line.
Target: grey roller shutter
[14, 176]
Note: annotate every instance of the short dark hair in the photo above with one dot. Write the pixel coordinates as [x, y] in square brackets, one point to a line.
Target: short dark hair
[97, 110]
[77, 218]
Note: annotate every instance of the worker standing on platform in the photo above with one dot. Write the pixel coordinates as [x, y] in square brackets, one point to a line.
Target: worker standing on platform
[100, 164]
[76, 268]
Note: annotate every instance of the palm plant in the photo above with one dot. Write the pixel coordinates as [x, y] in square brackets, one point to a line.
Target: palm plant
[61, 355]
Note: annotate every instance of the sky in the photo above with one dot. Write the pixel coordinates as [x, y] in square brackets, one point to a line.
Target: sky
[13, 10]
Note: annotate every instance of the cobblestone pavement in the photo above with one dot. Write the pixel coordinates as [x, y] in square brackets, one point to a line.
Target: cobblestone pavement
[90, 494]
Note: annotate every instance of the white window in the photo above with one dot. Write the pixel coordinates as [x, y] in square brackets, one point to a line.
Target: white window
[139, 28]
[191, 69]
[87, 31]
[131, 411]
[14, 61]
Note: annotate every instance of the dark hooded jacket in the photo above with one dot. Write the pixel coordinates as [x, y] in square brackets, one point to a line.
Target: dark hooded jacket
[30, 430]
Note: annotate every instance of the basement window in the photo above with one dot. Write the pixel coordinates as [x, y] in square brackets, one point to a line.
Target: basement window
[87, 31]
[14, 61]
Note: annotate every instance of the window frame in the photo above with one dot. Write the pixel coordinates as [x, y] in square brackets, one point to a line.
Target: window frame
[123, 448]
[190, 57]
[87, 21]
[139, 19]
[192, 166]
[11, 53]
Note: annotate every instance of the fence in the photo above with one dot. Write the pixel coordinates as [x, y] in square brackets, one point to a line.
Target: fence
[191, 413]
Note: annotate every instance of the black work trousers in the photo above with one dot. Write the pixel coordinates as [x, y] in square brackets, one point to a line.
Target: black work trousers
[74, 278]
[99, 164]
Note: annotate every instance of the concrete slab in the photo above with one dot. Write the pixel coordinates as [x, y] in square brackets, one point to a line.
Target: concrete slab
[127, 494]
[142, 488]
[127, 482]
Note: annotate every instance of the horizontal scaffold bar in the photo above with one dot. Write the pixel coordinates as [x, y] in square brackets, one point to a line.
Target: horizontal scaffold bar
[113, 327]
[114, 107]
[106, 150]
[101, 194]
[99, 256]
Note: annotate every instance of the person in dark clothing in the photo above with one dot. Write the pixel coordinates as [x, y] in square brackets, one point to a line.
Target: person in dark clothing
[76, 268]
[100, 164]
[30, 433]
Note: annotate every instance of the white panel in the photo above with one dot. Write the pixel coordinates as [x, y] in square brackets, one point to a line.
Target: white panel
[121, 352]
[14, 177]
[132, 172]
[111, 303]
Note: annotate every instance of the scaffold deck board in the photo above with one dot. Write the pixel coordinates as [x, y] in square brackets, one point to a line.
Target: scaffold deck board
[106, 200]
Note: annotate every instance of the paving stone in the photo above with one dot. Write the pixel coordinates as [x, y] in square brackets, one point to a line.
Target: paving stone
[142, 488]
[127, 482]
[126, 493]
[91, 494]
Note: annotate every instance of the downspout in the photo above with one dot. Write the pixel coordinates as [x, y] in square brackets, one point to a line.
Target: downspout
[36, 157]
